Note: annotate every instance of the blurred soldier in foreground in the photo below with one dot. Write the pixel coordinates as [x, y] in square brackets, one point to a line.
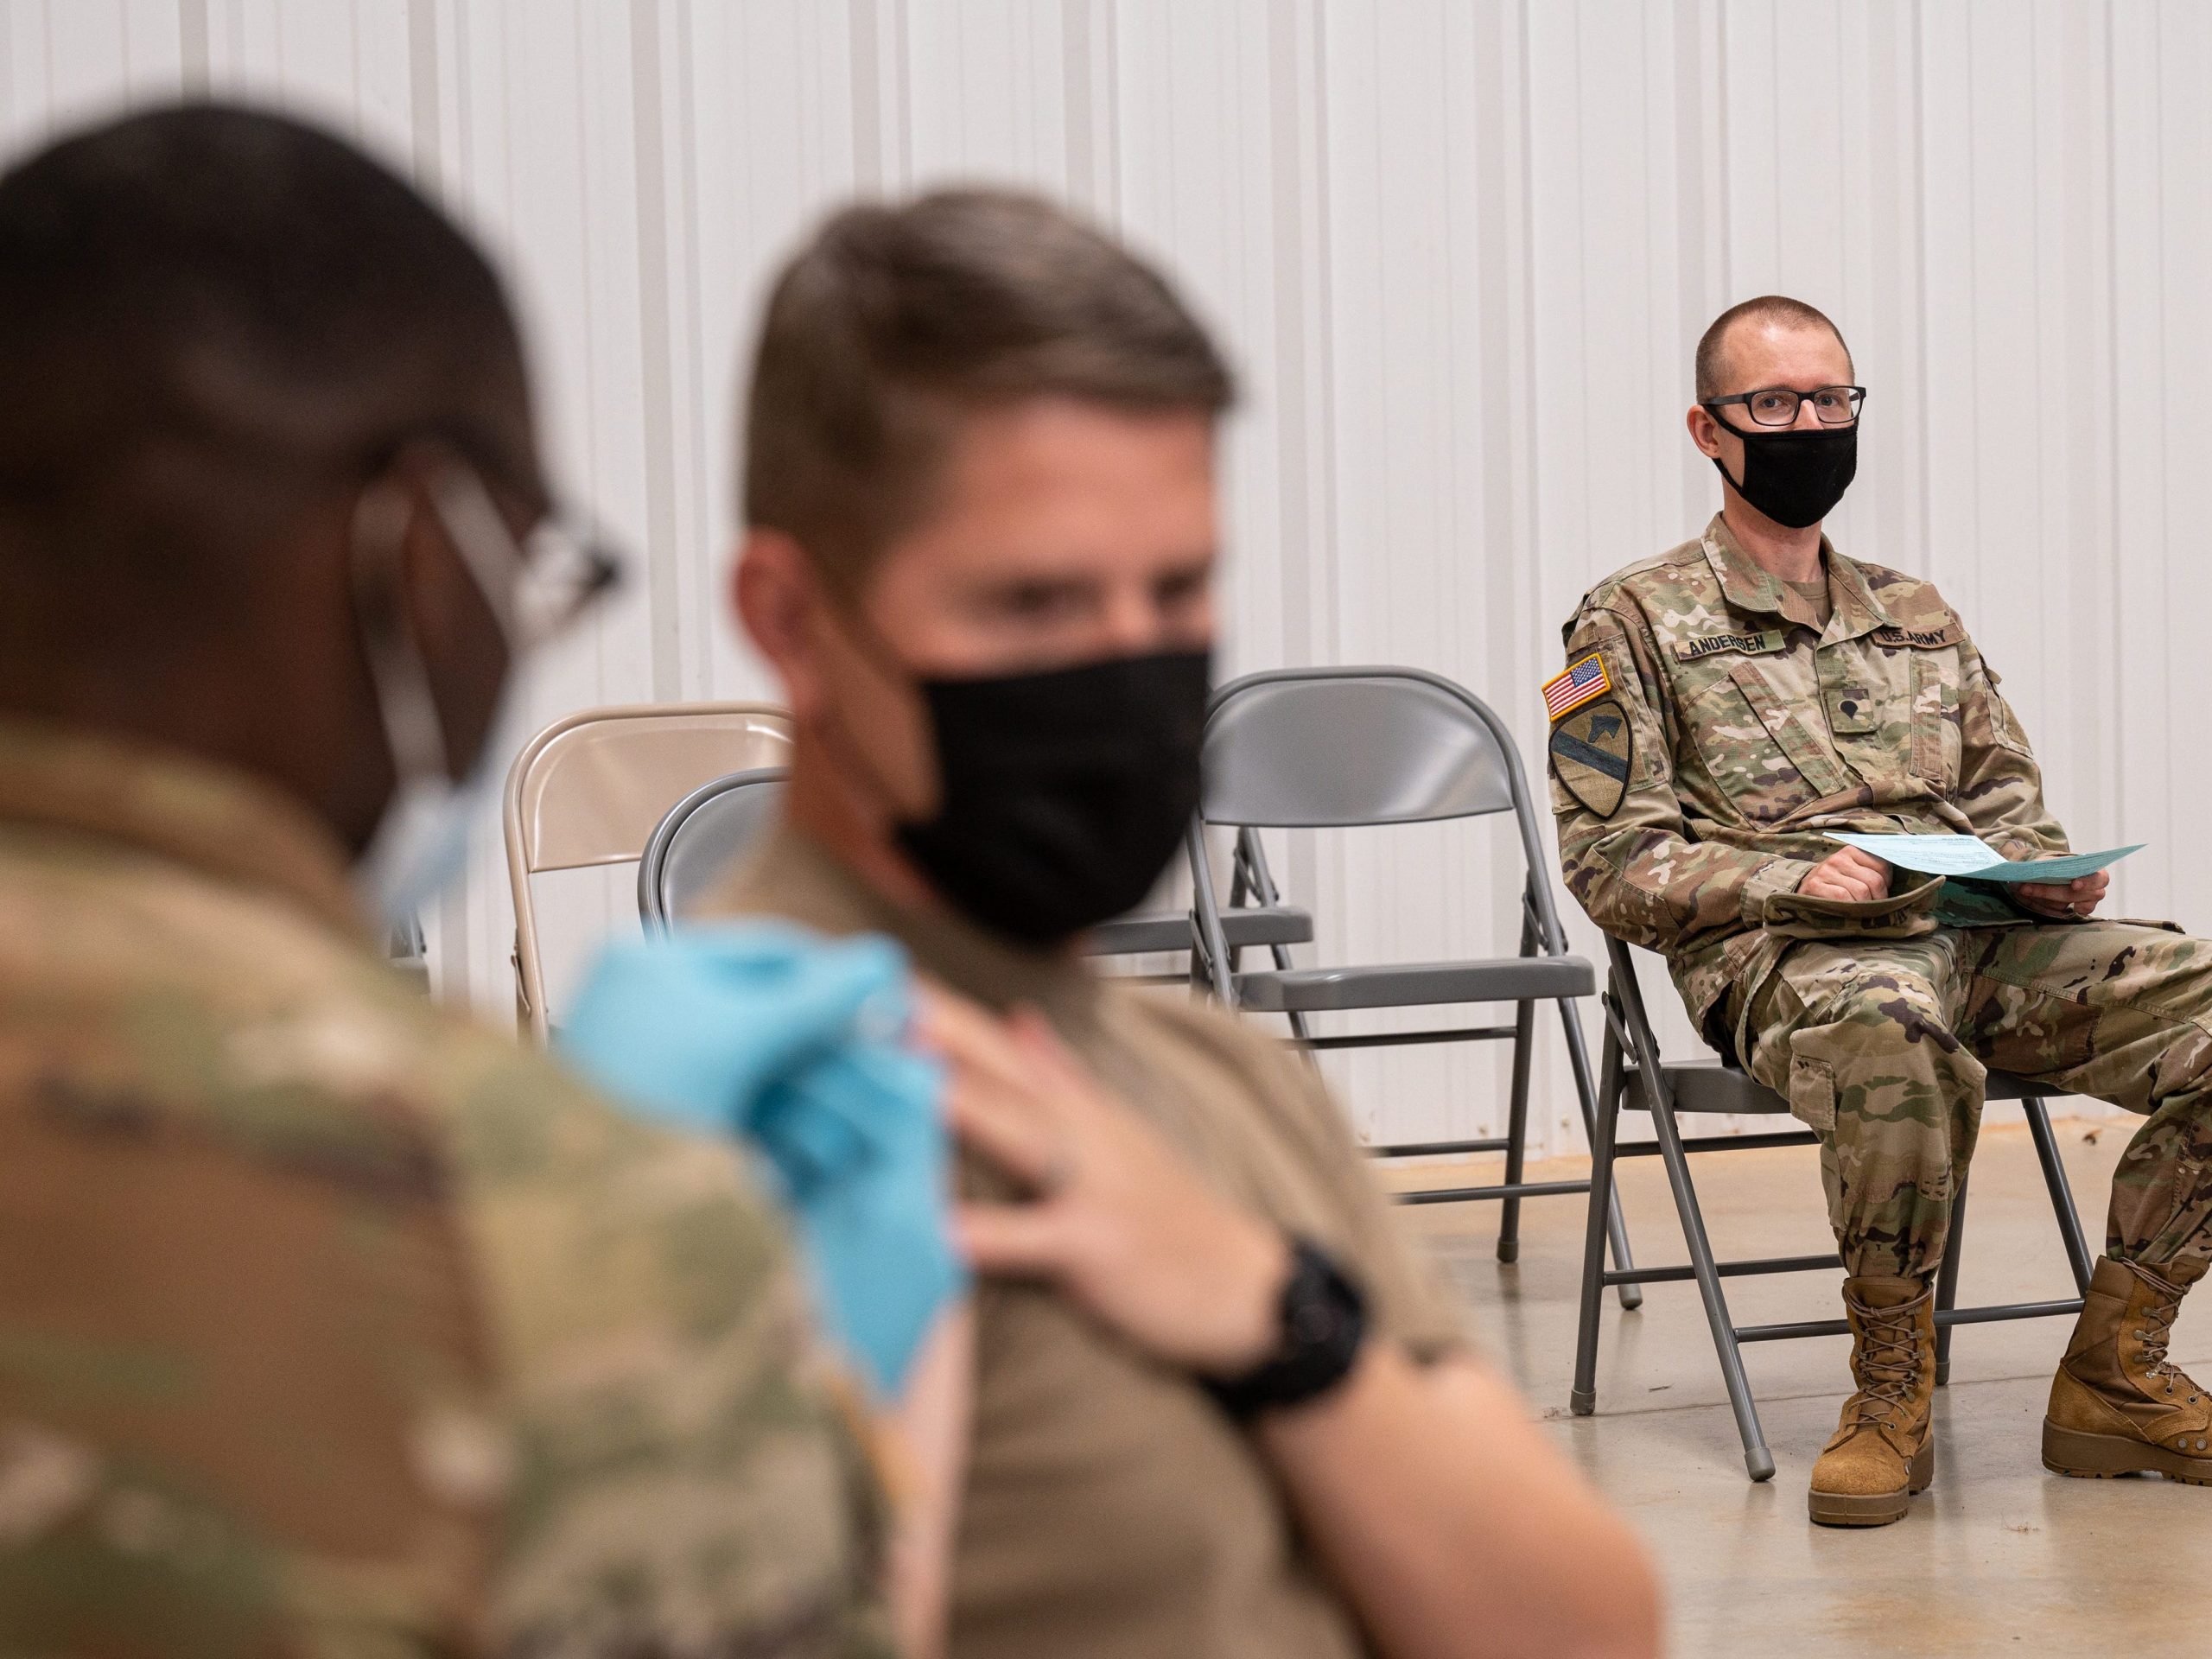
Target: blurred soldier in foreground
[329, 1324]
[1220, 1410]
[1725, 705]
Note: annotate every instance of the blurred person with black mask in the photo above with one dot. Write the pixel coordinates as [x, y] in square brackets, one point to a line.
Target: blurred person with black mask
[1220, 1408]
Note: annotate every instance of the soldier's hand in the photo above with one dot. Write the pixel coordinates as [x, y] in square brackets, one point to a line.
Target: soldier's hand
[1114, 1218]
[2076, 898]
[1848, 875]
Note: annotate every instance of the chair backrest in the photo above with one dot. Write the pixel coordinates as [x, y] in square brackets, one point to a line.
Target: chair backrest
[1329, 748]
[591, 787]
[1345, 747]
[702, 836]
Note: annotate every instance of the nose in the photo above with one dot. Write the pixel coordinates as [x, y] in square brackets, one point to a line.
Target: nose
[1808, 418]
[1133, 625]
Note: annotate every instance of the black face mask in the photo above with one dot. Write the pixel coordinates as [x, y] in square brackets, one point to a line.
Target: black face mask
[1063, 794]
[1795, 477]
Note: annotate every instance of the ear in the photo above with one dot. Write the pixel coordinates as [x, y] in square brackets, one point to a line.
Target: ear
[779, 596]
[1705, 431]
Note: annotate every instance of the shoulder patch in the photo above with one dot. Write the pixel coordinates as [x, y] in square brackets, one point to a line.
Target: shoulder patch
[1920, 638]
[1582, 681]
[1591, 750]
[1710, 644]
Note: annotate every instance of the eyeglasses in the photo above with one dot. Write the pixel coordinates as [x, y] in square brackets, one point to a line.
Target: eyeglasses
[1778, 405]
[556, 574]
[539, 584]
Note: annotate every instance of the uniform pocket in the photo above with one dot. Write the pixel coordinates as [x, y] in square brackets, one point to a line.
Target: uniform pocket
[1936, 741]
[1758, 751]
[1812, 1093]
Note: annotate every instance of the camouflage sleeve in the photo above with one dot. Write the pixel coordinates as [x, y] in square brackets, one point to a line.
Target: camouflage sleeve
[689, 1474]
[1635, 868]
[2000, 785]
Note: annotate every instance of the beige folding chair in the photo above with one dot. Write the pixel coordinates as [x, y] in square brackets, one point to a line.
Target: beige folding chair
[590, 788]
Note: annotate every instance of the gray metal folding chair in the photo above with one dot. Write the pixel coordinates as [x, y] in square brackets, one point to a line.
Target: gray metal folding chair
[700, 838]
[1669, 1090]
[1353, 747]
[1245, 925]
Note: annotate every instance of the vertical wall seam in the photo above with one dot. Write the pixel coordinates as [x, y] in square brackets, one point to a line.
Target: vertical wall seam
[192, 47]
[1328, 552]
[867, 26]
[1109, 161]
[1076, 114]
[2116, 640]
[423, 95]
[1920, 272]
[664, 599]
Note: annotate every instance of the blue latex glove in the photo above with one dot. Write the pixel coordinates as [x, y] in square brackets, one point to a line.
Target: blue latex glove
[795, 1042]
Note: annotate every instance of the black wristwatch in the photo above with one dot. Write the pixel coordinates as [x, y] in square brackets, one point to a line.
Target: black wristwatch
[1324, 1322]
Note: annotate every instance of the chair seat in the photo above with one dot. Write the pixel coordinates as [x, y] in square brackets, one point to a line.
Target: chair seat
[1256, 926]
[1709, 1086]
[1414, 984]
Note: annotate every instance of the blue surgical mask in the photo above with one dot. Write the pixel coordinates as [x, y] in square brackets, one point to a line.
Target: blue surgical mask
[421, 844]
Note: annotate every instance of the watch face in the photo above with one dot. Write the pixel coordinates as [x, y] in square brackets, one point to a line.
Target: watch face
[1312, 1322]
[1323, 1324]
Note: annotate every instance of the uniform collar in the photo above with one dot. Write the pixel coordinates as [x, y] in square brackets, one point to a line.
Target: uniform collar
[1749, 586]
[80, 783]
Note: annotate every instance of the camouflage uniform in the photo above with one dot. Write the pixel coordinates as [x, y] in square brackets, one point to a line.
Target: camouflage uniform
[331, 1325]
[1694, 771]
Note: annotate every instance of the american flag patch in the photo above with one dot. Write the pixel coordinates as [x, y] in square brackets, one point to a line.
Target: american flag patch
[1582, 681]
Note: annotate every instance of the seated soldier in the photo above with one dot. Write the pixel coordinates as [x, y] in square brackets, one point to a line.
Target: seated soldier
[1724, 706]
[329, 1324]
[1219, 1410]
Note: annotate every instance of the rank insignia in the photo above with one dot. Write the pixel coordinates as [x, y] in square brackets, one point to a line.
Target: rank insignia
[1591, 750]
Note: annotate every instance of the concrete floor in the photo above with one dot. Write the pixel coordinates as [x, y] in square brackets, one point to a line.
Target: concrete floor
[1998, 1557]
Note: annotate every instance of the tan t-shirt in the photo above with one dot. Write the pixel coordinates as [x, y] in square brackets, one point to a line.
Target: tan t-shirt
[1814, 596]
[1111, 1510]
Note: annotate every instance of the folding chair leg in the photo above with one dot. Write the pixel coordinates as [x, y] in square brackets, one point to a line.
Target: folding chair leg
[1605, 1126]
[1946, 1282]
[2062, 1191]
[1756, 1459]
[1516, 1130]
[1298, 1026]
[1577, 1060]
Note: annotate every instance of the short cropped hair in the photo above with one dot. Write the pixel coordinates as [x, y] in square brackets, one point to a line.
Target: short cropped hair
[1713, 344]
[895, 321]
[201, 306]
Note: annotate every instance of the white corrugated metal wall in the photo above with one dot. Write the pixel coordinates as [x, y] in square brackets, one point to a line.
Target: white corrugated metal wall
[1461, 249]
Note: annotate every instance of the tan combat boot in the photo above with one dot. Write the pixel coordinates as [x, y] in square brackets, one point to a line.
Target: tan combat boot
[1882, 1452]
[2118, 1406]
